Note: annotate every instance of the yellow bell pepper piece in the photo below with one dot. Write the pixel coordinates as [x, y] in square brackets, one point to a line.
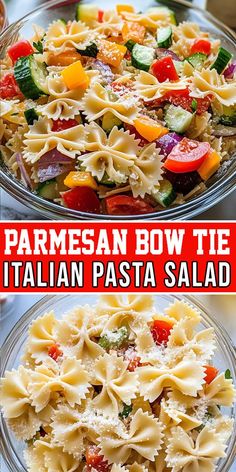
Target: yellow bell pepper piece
[134, 31]
[64, 59]
[75, 76]
[124, 8]
[80, 179]
[210, 165]
[111, 53]
[149, 128]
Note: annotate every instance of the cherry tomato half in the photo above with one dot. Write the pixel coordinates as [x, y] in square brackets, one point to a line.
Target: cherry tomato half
[161, 331]
[201, 45]
[20, 49]
[187, 156]
[9, 87]
[61, 125]
[95, 460]
[125, 205]
[211, 373]
[82, 199]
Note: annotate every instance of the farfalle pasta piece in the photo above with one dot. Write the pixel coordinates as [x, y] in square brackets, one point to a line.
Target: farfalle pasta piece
[74, 334]
[149, 88]
[41, 139]
[171, 416]
[41, 337]
[208, 81]
[118, 384]
[61, 108]
[187, 377]
[70, 378]
[61, 37]
[98, 101]
[152, 18]
[45, 456]
[219, 392]
[144, 437]
[111, 24]
[112, 304]
[146, 173]
[183, 340]
[114, 154]
[180, 309]
[186, 454]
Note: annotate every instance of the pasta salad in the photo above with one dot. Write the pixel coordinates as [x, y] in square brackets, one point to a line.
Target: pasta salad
[119, 387]
[117, 112]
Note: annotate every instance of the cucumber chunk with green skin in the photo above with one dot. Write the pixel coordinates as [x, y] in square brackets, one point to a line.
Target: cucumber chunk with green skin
[109, 121]
[166, 194]
[91, 50]
[229, 116]
[106, 181]
[130, 44]
[164, 37]
[31, 115]
[177, 119]
[114, 339]
[31, 77]
[126, 411]
[222, 60]
[142, 57]
[86, 13]
[196, 60]
[48, 190]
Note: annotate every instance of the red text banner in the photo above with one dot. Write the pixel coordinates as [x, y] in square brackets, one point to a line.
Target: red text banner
[114, 256]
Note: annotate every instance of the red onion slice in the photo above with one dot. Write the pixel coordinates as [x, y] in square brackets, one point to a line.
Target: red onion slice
[167, 142]
[24, 174]
[54, 157]
[230, 71]
[104, 69]
[161, 52]
[52, 171]
[224, 131]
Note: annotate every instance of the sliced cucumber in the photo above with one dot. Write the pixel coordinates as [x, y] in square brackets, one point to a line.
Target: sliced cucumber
[91, 50]
[197, 60]
[86, 12]
[177, 119]
[48, 189]
[31, 77]
[142, 57]
[130, 44]
[223, 58]
[109, 121]
[106, 181]
[229, 116]
[164, 37]
[166, 194]
[31, 115]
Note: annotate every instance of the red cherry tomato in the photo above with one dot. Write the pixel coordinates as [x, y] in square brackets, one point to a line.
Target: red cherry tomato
[211, 373]
[187, 156]
[161, 331]
[82, 199]
[9, 87]
[182, 98]
[100, 16]
[61, 125]
[201, 45]
[164, 69]
[54, 352]
[95, 460]
[125, 205]
[20, 49]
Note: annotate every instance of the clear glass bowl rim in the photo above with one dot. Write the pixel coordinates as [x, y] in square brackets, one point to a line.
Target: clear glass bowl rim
[46, 303]
[198, 204]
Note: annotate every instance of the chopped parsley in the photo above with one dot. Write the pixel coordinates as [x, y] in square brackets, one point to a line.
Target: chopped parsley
[38, 46]
[194, 105]
[126, 411]
[228, 374]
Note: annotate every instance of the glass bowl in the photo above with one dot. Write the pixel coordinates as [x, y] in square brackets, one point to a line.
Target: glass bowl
[218, 187]
[3, 15]
[13, 348]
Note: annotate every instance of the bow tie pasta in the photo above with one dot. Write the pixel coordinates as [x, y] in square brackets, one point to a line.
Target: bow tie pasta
[120, 387]
[106, 112]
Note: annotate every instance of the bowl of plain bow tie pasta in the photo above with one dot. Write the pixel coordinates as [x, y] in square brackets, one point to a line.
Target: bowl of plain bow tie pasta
[117, 384]
[120, 110]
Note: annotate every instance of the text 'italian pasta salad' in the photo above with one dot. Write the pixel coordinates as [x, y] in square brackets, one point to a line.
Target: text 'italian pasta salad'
[117, 112]
[119, 387]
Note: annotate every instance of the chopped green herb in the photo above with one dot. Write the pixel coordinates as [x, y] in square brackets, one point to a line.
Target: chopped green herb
[114, 339]
[38, 46]
[228, 374]
[194, 105]
[126, 411]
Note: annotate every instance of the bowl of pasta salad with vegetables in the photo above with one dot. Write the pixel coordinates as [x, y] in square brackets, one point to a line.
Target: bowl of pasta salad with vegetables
[118, 383]
[122, 111]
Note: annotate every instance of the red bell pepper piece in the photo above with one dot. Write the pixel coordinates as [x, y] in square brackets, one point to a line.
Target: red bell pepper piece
[54, 352]
[61, 125]
[82, 199]
[20, 49]
[9, 87]
[125, 205]
[211, 373]
[95, 460]
[100, 16]
[164, 69]
[161, 331]
[201, 45]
